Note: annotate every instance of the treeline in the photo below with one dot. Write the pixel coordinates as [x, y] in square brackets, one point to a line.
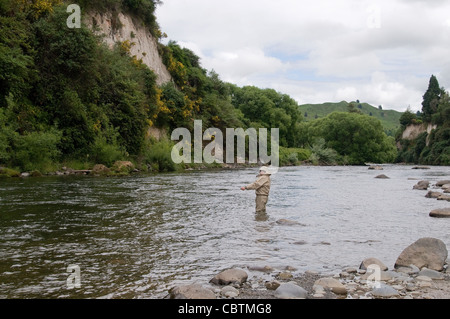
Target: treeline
[428, 148]
[67, 99]
[64, 96]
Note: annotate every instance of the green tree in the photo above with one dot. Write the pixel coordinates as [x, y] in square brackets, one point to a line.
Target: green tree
[407, 118]
[270, 109]
[16, 58]
[357, 138]
[431, 99]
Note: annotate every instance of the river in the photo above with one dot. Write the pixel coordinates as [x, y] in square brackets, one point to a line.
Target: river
[138, 236]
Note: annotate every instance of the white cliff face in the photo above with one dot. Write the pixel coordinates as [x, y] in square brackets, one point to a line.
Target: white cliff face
[121, 28]
[414, 130]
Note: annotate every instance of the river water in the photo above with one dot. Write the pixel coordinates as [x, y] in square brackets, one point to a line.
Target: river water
[138, 236]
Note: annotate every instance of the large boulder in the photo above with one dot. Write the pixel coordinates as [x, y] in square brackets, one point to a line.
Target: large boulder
[444, 197]
[432, 194]
[442, 183]
[230, 276]
[191, 292]
[425, 252]
[440, 213]
[422, 185]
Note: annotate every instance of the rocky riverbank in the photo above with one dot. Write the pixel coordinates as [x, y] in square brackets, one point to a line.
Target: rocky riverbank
[420, 272]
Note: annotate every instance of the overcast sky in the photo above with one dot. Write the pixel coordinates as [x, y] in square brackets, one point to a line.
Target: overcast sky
[381, 52]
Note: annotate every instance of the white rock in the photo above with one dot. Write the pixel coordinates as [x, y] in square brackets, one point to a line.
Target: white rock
[230, 292]
[433, 274]
[290, 291]
[385, 291]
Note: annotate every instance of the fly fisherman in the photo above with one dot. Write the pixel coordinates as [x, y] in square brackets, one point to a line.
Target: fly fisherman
[262, 188]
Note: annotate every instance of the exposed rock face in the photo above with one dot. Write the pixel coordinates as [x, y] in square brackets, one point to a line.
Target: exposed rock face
[120, 28]
[414, 130]
[425, 252]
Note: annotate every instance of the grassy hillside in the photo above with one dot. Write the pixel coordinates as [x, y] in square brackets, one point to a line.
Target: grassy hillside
[389, 118]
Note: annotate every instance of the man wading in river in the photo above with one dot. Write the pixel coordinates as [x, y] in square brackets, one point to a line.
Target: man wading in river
[262, 187]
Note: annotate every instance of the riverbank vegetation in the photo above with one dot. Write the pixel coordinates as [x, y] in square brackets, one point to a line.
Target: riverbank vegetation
[432, 145]
[68, 100]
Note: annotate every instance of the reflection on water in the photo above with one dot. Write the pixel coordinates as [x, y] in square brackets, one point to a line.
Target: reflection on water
[136, 237]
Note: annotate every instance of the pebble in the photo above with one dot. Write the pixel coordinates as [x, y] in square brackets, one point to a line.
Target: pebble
[350, 283]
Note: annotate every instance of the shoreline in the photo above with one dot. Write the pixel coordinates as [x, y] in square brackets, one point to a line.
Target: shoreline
[127, 168]
[349, 283]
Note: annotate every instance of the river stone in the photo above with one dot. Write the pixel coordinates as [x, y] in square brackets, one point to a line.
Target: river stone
[372, 261]
[382, 176]
[423, 278]
[382, 275]
[442, 213]
[410, 270]
[290, 291]
[385, 291]
[422, 185]
[333, 284]
[230, 292]
[432, 194]
[425, 252]
[430, 273]
[445, 186]
[230, 276]
[191, 292]
[272, 285]
[444, 197]
[442, 183]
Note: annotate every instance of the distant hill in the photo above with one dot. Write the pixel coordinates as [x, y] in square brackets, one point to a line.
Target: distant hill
[389, 118]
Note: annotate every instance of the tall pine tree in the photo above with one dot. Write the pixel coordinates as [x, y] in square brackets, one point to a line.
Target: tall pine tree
[431, 99]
